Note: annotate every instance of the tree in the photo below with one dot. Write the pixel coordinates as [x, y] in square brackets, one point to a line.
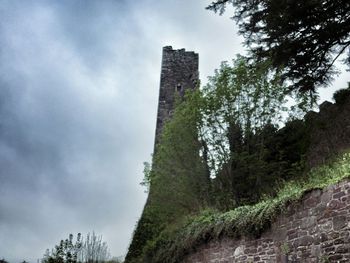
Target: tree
[90, 250]
[304, 38]
[239, 100]
[340, 96]
[242, 107]
[178, 178]
[93, 249]
[66, 252]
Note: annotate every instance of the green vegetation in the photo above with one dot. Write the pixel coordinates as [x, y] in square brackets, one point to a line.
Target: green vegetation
[242, 108]
[285, 248]
[178, 180]
[325, 259]
[303, 38]
[247, 220]
[228, 161]
[222, 149]
[225, 166]
[340, 96]
[178, 165]
[89, 249]
[66, 252]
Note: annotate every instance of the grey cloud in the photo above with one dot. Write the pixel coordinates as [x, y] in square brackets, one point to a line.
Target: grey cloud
[78, 99]
[64, 134]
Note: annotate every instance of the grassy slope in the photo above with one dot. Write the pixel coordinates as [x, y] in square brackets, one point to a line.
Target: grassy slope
[178, 240]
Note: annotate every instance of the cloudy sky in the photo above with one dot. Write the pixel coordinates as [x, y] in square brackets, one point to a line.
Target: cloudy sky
[78, 98]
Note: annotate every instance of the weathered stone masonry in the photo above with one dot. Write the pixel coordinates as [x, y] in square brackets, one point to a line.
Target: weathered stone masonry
[179, 72]
[315, 230]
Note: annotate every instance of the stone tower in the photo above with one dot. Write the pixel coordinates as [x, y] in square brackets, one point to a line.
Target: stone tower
[179, 73]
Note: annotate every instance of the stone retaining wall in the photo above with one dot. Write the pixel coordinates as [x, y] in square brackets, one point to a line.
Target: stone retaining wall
[315, 230]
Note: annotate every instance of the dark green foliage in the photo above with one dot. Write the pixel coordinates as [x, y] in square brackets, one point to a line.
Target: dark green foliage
[66, 252]
[3, 261]
[302, 37]
[292, 143]
[178, 177]
[178, 180]
[242, 107]
[272, 157]
[222, 148]
[148, 228]
[340, 96]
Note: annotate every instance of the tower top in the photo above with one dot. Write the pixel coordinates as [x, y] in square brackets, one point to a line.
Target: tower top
[179, 54]
[181, 50]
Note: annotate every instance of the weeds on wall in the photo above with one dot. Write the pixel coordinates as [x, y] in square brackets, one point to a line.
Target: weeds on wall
[248, 220]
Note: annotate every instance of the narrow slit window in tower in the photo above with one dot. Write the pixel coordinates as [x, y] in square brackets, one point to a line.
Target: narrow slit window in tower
[178, 88]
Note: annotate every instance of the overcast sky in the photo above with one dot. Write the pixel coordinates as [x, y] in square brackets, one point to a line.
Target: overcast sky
[79, 87]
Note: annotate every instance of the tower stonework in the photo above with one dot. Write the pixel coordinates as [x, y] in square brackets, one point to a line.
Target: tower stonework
[179, 73]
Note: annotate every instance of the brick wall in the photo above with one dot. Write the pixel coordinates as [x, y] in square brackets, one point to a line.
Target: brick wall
[315, 230]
